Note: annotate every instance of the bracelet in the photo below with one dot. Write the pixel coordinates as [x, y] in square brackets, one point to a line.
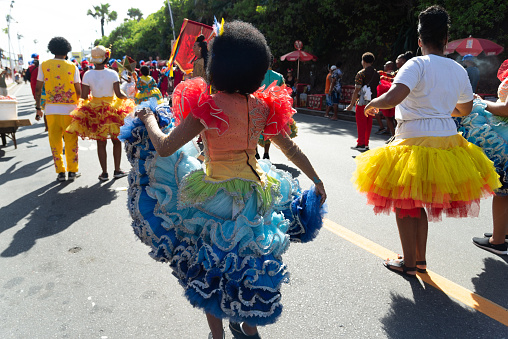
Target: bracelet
[38, 108]
[316, 180]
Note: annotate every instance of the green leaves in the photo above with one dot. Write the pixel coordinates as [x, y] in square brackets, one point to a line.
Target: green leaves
[330, 29]
[104, 14]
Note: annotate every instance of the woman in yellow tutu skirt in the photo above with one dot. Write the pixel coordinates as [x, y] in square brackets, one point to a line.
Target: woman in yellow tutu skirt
[429, 168]
[100, 116]
[147, 87]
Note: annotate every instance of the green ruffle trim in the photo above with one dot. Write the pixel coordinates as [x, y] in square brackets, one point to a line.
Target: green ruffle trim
[195, 190]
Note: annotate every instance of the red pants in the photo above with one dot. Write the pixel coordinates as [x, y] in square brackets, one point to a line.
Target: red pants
[363, 126]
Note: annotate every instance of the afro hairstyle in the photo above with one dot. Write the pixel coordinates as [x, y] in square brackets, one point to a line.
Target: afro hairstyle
[59, 46]
[145, 70]
[238, 59]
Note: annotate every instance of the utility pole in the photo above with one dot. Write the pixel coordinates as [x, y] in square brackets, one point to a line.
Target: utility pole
[9, 18]
[172, 23]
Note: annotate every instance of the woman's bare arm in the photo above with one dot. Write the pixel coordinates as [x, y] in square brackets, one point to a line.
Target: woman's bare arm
[395, 95]
[167, 144]
[462, 110]
[497, 108]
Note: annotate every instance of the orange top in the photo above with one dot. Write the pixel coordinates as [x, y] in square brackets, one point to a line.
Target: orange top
[328, 83]
[232, 154]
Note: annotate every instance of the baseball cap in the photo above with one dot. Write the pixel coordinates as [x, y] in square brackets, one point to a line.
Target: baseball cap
[467, 57]
[333, 68]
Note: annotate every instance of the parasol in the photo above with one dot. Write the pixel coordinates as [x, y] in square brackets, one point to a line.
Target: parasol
[473, 46]
[298, 55]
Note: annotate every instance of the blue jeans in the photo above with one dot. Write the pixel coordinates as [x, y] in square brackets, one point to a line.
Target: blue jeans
[328, 99]
[335, 97]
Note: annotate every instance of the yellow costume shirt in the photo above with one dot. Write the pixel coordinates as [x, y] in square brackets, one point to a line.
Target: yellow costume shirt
[59, 82]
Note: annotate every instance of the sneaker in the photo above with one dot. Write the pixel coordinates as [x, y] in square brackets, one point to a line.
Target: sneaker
[104, 177]
[358, 147]
[61, 176]
[489, 235]
[501, 249]
[73, 175]
[119, 174]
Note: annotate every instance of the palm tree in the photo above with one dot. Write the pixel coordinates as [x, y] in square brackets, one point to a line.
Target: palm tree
[134, 13]
[103, 12]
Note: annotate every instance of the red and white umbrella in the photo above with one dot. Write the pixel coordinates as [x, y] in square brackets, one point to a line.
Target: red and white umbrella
[298, 55]
[473, 46]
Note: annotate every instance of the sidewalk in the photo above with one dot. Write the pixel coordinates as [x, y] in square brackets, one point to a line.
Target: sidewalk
[10, 84]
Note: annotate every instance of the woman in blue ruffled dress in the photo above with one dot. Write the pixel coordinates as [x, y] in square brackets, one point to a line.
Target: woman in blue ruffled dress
[224, 226]
[487, 127]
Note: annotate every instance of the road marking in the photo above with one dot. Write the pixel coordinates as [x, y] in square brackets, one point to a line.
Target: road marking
[450, 288]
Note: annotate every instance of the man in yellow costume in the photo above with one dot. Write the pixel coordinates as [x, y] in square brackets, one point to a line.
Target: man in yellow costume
[63, 89]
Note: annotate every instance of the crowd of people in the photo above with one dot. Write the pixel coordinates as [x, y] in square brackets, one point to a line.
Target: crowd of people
[223, 222]
[376, 85]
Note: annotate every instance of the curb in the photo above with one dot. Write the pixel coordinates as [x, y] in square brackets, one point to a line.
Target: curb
[11, 85]
[342, 115]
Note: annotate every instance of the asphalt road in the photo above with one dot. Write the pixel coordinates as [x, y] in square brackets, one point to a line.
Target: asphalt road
[72, 268]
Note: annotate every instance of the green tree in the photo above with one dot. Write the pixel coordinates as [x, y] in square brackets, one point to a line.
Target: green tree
[333, 30]
[104, 14]
[134, 14]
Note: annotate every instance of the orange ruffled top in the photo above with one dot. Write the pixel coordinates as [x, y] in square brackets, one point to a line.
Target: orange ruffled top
[230, 140]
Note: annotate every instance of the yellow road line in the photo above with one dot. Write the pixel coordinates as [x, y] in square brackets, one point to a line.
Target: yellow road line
[450, 288]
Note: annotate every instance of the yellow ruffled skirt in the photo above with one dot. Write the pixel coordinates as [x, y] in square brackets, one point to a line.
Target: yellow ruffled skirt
[100, 118]
[441, 174]
[143, 96]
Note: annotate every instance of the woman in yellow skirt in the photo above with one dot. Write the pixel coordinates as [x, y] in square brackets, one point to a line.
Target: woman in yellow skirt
[429, 168]
[101, 116]
[147, 87]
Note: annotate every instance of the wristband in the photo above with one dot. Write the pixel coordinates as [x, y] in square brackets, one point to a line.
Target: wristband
[316, 180]
[38, 108]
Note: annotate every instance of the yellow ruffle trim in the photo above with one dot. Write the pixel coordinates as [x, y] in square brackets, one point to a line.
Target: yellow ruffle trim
[100, 118]
[156, 93]
[436, 172]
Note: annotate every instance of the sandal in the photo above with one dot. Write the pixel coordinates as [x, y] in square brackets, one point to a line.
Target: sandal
[389, 264]
[418, 263]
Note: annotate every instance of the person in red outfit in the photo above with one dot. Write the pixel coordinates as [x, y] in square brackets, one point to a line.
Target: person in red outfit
[384, 85]
[84, 68]
[154, 72]
[367, 78]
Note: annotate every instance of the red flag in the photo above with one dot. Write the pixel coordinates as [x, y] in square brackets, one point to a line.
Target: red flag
[182, 53]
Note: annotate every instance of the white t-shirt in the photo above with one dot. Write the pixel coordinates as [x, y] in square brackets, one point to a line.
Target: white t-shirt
[101, 82]
[51, 109]
[437, 84]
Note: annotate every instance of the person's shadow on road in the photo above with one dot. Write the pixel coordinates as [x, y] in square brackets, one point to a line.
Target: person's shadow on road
[50, 212]
[491, 283]
[432, 314]
[13, 173]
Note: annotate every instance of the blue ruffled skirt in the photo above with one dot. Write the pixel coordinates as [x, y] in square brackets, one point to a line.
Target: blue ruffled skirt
[229, 267]
[490, 132]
